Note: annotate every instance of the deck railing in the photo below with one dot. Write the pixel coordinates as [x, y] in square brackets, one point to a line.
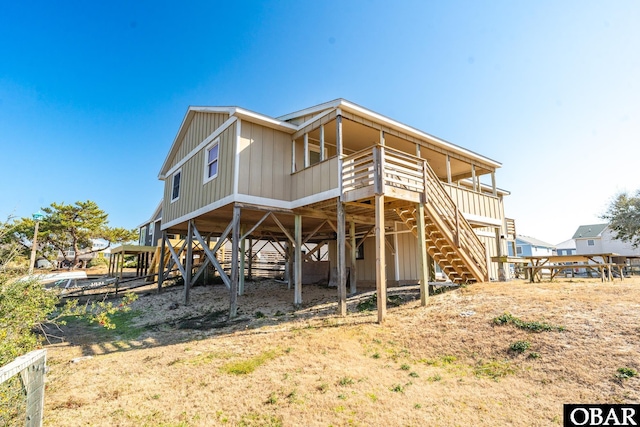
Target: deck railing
[381, 167]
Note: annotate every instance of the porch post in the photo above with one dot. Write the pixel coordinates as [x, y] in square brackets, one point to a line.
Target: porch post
[188, 262]
[423, 266]
[321, 142]
[233, 289]
[473, 177]
[342, 271]
[493, 184]
[448, 169]
[353, 275]
[160, 266]
[339, 136]
[297, 265]
[306, 150]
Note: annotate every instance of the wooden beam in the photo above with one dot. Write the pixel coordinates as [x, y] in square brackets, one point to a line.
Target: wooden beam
[283, 229]
[353, 274]
[235, 237]
[306, 150]
[188, 262]
[381, 279]
[342, 268]
[242, 262]
[423, 267]
[297, 299]
[321, 142]
[160, 268]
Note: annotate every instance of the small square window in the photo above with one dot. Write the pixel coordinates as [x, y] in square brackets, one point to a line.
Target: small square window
[519, 250]
[591, 242]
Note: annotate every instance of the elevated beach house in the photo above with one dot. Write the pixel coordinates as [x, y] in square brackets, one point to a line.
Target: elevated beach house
[387, 200]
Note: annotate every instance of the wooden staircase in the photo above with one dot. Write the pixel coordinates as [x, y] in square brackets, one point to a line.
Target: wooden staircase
[450, 240]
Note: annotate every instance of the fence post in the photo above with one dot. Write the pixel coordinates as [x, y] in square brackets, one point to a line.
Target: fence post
[31, 367]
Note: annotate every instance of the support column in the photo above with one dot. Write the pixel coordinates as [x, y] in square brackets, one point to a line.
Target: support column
[381, 274]
[321, 142]
[502, 275]
[473, 177]
[242, 262]
[423, 266]
[297, 264]
[250, 260]
[342, 271]
[188, 262]
[290, 274]
[353, 275]
[235, 241]
[306, 150]
[448, 170]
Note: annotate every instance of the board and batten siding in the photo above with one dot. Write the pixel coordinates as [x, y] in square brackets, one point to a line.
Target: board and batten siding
[198, 129]
[315, 179]
[474, 203]
[193, 193]
[265, 159]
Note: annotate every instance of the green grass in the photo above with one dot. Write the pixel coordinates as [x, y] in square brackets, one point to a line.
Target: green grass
[509, 319]
[494, 369]
[122, 320]
[247, 366]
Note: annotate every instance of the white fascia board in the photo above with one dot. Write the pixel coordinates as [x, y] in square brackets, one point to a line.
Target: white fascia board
[482, 220]
[311, 110]
[190, 112]
[203, 144]
[256, 200]
[354, 108]
[468, 184]
[264, 120]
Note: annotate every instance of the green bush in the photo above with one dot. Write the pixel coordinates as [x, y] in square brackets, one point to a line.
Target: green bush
[24, 307]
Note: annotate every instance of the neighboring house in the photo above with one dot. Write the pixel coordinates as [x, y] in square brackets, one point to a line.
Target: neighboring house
[99, 248]
[149, 231]
[529, 246]
[600, 239]
[568, 247]
[380, 195]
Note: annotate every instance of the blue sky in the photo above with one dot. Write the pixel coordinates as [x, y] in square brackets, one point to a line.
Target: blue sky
[92, 93]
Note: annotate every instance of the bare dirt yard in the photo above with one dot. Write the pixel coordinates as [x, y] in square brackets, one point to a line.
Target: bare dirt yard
[493, 354]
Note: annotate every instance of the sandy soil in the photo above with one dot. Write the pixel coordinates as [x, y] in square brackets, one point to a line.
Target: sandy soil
[444, 364]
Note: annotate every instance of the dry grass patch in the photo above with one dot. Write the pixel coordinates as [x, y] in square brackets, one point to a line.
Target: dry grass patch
[306, 366]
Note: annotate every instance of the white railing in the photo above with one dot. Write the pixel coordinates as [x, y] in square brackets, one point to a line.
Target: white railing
[381, 167]
[31, 367]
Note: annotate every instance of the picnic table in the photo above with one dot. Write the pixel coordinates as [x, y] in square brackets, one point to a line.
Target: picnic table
[556, 263]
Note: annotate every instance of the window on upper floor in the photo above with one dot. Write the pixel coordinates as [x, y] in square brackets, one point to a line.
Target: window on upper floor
[591, 242]
[211, 160]
[175, 185]
[519, 250]
[314, 154]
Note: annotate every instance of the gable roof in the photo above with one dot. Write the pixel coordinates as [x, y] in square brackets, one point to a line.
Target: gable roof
[352, 107]
[534, 242]
[281, 123]
[589, 231]
[567, 244]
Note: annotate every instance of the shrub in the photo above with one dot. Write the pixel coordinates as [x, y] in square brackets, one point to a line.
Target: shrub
[520, 346]
[626, 373]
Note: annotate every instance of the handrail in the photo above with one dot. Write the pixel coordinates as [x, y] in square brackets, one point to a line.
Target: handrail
[466, 237]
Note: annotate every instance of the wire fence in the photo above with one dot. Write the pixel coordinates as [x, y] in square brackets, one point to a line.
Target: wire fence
[22, 390]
